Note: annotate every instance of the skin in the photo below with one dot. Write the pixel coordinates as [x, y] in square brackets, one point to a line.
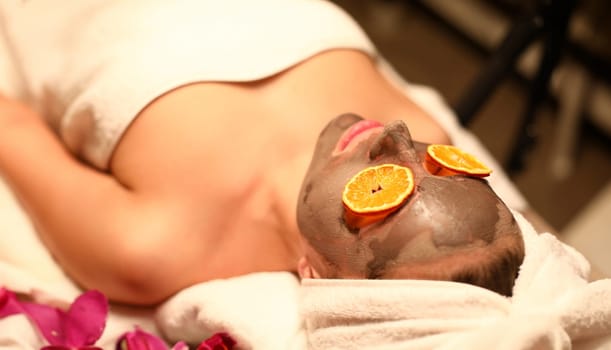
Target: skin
[447, 221]
[209, 195]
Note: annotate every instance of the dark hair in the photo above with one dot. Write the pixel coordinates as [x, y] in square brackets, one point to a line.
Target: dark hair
[497, 272]
[494, 266]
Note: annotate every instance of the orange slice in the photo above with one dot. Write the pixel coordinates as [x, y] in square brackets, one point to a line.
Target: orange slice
[451, 160]
[375, 192]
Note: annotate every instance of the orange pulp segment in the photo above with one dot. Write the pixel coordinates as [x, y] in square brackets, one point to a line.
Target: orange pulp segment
[455, 160]
[375, 192]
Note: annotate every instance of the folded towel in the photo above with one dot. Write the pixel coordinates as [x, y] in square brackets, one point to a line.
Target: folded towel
[260, 311]
[553, 307]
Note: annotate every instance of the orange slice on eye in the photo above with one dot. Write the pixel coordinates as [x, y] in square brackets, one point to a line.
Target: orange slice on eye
[450, 160]
[375, 192]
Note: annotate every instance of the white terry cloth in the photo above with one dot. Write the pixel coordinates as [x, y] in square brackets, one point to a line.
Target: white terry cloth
[93, 65]
[260, 311]
[553, 307]
[10, 83]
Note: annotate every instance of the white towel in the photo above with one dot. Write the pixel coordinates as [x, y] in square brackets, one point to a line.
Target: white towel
[260, 311]
[106, 60]
[553, 307]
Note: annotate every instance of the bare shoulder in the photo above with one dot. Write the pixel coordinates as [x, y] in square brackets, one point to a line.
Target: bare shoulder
[202, 125]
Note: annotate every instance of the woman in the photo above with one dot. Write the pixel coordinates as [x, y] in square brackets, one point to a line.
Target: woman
[176, 136]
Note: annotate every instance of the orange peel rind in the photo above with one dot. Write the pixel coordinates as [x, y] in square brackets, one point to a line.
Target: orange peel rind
[451, 160]
[375, 192]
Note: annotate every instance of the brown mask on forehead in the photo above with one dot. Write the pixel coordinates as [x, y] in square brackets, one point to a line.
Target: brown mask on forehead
[444, 218]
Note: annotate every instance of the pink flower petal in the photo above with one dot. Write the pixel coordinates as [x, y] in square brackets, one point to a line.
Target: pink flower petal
[57, 347]
[8, 303]
[48, 321]
[81, 326]
[85, 320]
[140, 340]
[219, 341]
[181, 345]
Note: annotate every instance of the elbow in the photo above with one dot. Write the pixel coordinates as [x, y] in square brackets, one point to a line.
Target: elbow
[141, 261]
[143, 268]
[143, 275]
[139, 285]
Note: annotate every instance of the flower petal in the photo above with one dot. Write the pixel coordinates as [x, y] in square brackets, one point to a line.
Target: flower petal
[57, 347]
[8, 303]
[81, 326]
[219, 341]
[140, 340]
[181, 345]
[85, 320]
[48, 320]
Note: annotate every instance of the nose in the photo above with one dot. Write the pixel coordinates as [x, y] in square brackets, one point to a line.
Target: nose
[395, 140]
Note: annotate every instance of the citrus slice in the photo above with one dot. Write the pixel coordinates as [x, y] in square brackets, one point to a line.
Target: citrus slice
[448, 160]
[375, 192]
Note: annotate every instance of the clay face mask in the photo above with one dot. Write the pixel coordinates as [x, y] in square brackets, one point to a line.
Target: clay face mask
[442, 215]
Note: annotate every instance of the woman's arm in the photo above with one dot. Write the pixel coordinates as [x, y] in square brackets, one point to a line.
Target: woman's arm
[88, 220]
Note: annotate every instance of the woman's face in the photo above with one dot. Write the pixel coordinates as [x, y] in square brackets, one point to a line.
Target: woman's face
[444, 214]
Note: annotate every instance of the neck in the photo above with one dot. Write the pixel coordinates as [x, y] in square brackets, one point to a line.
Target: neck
[285, 183]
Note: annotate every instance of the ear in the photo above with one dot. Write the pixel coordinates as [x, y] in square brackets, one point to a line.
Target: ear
[305, 269]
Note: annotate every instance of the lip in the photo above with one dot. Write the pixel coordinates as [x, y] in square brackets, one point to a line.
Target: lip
[358, 131]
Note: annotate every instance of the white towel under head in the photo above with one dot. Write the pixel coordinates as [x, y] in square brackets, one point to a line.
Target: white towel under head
[260, 311]
[553, 307]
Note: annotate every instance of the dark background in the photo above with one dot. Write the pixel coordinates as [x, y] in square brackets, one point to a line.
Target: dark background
[427, 48]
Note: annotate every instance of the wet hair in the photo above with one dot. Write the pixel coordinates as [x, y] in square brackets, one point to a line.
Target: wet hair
[493, 266]
[497, 272]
